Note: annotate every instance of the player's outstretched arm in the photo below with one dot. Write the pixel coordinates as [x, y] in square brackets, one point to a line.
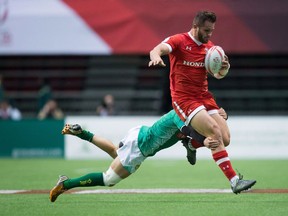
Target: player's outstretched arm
[155, 55]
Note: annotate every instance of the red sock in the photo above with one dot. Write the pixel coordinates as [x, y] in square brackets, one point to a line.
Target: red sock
[196, 144]
[222, 160]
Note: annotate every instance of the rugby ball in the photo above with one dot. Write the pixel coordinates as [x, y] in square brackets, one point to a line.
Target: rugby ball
[213, 59]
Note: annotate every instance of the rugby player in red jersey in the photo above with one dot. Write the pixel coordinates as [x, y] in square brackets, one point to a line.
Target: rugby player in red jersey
[191, 100]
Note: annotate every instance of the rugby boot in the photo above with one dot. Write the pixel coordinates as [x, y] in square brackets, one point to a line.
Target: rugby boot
[74, 129]
[58, 188]
[242, 185]
[191, 152]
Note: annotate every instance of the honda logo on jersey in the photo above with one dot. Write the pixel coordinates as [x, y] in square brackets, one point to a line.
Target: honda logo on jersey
[193, 64]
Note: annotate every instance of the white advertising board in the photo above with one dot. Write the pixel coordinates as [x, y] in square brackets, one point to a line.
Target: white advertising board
[251, 137]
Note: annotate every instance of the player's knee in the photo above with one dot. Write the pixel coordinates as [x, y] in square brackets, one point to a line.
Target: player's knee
[226, 139]
[111, 178]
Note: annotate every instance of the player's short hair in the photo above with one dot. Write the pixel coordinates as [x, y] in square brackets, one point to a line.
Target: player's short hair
[203, 16]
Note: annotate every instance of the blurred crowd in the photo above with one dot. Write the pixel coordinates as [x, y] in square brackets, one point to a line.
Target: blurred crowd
[106, 108]
[48, 107]
[7, 110]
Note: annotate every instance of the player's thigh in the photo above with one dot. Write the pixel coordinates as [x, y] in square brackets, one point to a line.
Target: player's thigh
[223, 128]
[119, 169]
[205, 124]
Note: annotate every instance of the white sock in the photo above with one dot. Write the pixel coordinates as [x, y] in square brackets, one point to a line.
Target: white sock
[234, 180]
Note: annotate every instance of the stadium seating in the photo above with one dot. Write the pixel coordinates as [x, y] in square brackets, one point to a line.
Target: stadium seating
[255, 85]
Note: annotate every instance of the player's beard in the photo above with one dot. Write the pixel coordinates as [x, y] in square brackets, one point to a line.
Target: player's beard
[202, 39]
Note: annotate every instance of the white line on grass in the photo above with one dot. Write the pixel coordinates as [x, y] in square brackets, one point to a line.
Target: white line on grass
[12, 191]
[126, 191]
[152, 191]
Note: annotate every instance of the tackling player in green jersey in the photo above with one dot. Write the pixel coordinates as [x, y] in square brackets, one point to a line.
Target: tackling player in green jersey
[139, 143]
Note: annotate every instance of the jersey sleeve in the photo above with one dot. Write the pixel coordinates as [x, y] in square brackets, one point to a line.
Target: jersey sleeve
[178, 122]
[172, 42]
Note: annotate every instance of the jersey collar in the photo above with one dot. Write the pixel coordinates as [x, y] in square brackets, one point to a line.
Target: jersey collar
[196, 41]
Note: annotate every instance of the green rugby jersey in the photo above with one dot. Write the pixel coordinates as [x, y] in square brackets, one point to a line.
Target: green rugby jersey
[162, 134]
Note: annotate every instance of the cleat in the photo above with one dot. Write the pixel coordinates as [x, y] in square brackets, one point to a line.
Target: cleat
[242, 185]
[72, 129]
[58, 188]
[191, 152]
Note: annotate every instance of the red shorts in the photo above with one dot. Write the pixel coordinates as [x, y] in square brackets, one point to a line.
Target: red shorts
[187, 108]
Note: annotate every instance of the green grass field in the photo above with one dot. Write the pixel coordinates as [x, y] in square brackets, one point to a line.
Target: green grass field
[42, 174]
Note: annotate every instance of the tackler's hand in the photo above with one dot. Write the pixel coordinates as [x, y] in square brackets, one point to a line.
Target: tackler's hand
[211, 144]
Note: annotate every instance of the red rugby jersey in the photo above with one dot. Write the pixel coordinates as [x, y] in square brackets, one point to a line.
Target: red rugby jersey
[188, 76]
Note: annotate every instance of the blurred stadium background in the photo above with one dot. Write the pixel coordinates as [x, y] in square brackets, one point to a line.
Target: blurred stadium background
[86, 49]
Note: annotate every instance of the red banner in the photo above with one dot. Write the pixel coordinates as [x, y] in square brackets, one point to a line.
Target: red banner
[134, 26]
